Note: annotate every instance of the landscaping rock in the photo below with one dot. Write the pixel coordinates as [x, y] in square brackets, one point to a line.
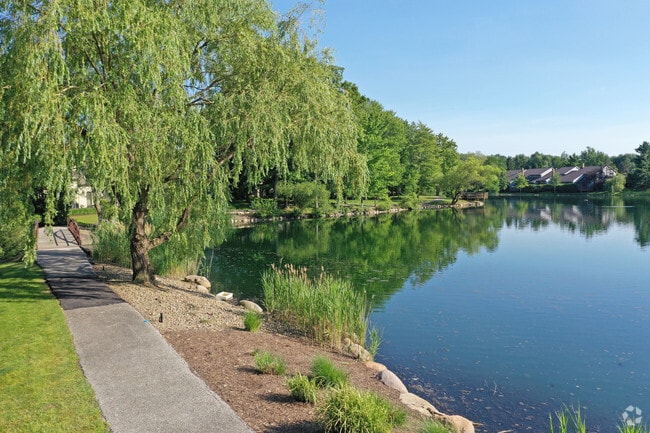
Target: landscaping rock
[198, 279]
[391, 380]
[457, 423]
[202, 289]
[419, 404]
[356, 350]
[376, 366]
[251, 306]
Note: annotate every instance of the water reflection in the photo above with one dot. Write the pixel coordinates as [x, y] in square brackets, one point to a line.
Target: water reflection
[382, 254]
[503, 313]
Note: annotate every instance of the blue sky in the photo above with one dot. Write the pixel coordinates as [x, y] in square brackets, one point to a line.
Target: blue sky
[501, 76]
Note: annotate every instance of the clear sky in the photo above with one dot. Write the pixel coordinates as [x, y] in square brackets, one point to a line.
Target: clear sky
[501, 76]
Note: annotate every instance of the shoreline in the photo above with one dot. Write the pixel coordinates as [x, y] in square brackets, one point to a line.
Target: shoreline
[199, 325]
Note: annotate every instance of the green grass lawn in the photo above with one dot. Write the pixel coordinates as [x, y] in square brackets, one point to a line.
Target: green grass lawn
[42, 387]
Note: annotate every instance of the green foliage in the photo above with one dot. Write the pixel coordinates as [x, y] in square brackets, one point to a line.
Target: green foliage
[384, 204]
[237, 92]
[43, 388]
[520, 182]
[633, 428]
[302, 388]
[324, 308]
[268, 363]
[265, 207]
[433, 426]
[471, 174]
[252, 321]
[374, 341]
[348, 410]
[615, 184]
[327, 375]
[410, 201]
[111, 244]
[569, 420]
[639, 177]
[306, 195]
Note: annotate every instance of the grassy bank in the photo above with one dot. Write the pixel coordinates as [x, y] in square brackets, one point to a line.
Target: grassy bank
[42, 387]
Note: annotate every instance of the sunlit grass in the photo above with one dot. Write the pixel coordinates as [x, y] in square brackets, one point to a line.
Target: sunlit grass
[42, 387]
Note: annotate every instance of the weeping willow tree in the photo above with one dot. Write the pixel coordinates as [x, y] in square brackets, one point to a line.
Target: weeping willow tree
[163, 104]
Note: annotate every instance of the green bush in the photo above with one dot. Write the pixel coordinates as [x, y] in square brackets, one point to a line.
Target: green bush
[384, 204]
[302, 388]
[323, 308]
[348, 410]
[410, 201]
[265, 207]
[268, 363]
[306, 195]
[252, 321]
[326, 374]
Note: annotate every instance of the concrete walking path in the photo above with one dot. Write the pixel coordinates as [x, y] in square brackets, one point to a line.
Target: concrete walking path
[140, 382]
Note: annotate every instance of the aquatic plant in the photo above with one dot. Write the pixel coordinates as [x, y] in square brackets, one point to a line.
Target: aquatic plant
[324, 308]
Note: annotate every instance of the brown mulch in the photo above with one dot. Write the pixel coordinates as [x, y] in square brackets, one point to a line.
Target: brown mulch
[209, 335]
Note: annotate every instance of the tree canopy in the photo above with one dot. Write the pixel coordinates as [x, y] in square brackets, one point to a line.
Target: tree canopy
[162, 105]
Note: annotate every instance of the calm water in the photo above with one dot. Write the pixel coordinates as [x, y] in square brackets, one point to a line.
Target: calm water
[502, 314]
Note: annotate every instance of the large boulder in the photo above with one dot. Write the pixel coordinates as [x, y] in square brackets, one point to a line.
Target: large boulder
[251, 306]
[457, 423]
[418, 404]
[391, 380]
[376, 366]
[356, 350]
[198, 279]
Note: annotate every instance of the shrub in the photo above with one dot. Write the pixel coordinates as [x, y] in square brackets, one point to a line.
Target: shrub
[265, 207]
[384, 205]
[323, 308]
[348, 410]
[252, 321]
[326, 374]
[268, 363]
[410, 201]
[302, 388]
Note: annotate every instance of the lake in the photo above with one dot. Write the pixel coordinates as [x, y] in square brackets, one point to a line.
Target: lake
[502, 314]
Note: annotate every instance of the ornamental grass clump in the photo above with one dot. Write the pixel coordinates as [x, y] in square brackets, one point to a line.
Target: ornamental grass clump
[268, 363]
[326, 374]
[433, 426]
[324, 308]
[348, 410]
[302, 388]
[252, 321]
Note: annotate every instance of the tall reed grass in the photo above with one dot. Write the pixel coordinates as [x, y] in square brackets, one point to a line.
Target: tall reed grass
[324, 308]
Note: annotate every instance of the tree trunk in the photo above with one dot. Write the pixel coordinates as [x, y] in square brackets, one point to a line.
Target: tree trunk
[139, 242]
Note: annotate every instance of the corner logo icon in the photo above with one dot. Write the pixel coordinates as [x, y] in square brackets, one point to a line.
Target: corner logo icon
[632, 416]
